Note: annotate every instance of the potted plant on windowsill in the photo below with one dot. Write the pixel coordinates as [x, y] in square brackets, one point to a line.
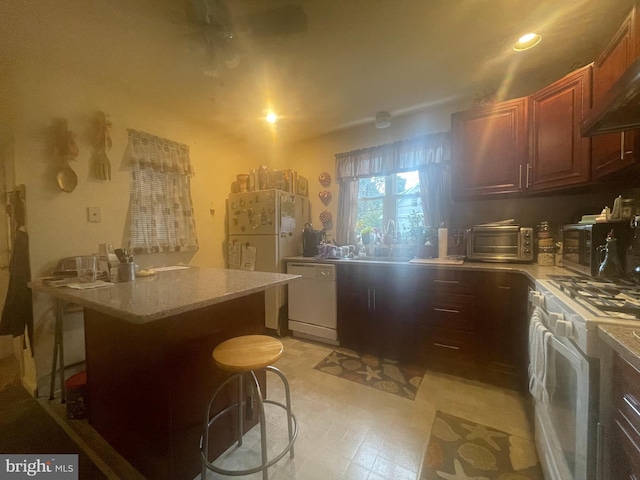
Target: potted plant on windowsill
[366, 235]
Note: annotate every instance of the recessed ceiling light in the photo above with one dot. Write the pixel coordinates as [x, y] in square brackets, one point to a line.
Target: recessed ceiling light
[271, 117]
[527, 41]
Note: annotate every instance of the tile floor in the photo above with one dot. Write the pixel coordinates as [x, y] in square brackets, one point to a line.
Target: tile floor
[351, 431]
[346, 430]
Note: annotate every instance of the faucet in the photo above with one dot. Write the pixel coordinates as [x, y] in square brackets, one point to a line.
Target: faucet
[390, 239]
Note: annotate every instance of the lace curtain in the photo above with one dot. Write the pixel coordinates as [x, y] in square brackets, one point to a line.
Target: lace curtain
[161, 209]
[429, 154]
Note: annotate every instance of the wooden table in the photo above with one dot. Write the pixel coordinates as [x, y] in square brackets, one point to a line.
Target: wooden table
[148, 355]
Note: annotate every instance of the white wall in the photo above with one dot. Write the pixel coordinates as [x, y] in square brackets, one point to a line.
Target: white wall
[43, 81]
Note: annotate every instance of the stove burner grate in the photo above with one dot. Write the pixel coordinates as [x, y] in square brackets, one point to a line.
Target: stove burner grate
[618, 299]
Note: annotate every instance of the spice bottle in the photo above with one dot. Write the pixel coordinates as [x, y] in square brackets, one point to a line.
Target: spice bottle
[546, 247]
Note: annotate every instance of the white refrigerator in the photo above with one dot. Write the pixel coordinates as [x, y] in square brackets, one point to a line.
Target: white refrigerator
[264, 228]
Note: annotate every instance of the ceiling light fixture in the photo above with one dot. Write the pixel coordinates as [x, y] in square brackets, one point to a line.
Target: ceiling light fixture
[527, 41]
[271, 117]
[383, 119]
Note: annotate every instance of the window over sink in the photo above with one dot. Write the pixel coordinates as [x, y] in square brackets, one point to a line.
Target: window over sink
[393, 176]
[390, 201]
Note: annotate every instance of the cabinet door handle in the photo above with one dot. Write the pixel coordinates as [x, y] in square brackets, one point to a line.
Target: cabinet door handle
[374, 298]
[632, 402]
[442, 345]
[526, 185]
[520, 177]
[446, 310]
[451, 282]
[623, 152]
[368, 298]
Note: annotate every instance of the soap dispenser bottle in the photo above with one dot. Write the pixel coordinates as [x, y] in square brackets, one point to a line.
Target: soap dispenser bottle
[610, 267]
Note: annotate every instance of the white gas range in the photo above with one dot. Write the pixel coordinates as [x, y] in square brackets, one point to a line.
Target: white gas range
[566, 361]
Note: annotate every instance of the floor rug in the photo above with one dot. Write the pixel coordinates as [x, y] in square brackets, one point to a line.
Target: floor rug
[381, 374]
[460, 449]
[26, 428]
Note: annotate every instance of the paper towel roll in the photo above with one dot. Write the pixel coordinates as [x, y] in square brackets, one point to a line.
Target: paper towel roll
[443, 240]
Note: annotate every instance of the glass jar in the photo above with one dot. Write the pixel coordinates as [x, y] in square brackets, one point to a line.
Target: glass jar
[543, 230]
[546, 256]
[627, 208]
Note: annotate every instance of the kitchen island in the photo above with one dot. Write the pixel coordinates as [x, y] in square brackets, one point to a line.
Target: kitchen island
[148, 358]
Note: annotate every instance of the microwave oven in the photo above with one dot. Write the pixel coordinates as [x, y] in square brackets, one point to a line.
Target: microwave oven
[580, 243]
[500, 243]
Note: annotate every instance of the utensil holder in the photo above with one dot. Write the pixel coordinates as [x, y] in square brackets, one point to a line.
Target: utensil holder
[126, 272]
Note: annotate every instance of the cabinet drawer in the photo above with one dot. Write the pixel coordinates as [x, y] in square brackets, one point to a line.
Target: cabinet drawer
[629, 413]
[451, 282]
[627, 438]
[451, 311]
[443, 346]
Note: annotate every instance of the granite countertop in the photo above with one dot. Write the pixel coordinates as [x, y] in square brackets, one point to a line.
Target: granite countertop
[623, 340]
[168, 293]
[531, 270]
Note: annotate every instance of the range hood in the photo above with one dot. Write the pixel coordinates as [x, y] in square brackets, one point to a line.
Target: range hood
[618, 109]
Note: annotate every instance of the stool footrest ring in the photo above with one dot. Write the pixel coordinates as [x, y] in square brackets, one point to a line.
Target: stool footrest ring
[270, 463]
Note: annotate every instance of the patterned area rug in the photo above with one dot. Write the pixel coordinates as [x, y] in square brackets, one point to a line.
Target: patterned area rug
[382, 374]
[462, 450]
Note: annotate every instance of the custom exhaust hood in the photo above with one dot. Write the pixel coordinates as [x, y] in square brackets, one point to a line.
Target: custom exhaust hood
[618, 109]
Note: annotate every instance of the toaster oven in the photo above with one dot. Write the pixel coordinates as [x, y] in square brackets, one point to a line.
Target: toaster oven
[500, 243]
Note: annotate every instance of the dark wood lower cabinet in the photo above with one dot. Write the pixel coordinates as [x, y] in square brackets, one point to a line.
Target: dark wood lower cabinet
[376, 309]
[625, 461]
[462, 322]
[505, 329]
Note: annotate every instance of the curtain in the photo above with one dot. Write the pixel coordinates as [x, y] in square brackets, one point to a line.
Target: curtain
[435, 193]
[429, 154]
[347, 212]
[161, 208]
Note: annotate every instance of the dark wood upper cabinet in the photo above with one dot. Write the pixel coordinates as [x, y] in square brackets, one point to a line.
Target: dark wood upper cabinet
[615, 151]
[558, 156]
[489, 149]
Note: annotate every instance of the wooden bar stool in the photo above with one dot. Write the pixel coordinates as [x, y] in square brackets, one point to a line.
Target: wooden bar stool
[243, 356]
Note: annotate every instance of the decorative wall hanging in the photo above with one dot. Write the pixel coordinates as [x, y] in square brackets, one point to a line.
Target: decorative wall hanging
[325, 179]
[325, 217]
[65, 149]
[325, 197]
[101, 143]
[302, 186]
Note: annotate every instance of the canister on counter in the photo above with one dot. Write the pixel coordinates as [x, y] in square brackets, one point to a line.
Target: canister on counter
[546, 256]
[546, 245]
[558, 254]
[627, 208]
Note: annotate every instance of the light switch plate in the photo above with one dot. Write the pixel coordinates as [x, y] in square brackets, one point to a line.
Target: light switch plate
[95, 214]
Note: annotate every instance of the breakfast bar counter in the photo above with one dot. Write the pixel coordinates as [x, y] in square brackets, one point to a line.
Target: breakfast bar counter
[148, 357]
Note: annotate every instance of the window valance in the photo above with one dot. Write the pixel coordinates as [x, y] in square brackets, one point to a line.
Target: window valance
[147, 151]
[394, 157]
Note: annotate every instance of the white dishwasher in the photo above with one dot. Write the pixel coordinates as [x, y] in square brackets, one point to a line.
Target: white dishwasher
[313, 309]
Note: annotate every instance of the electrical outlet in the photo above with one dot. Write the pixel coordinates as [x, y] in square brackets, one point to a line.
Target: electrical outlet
[95, 214]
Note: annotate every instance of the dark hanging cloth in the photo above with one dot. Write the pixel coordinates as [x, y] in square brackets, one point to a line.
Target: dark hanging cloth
[18, 308]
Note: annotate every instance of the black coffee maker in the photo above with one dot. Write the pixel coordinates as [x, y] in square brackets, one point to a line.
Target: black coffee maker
[633, 252]
[311, 239]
